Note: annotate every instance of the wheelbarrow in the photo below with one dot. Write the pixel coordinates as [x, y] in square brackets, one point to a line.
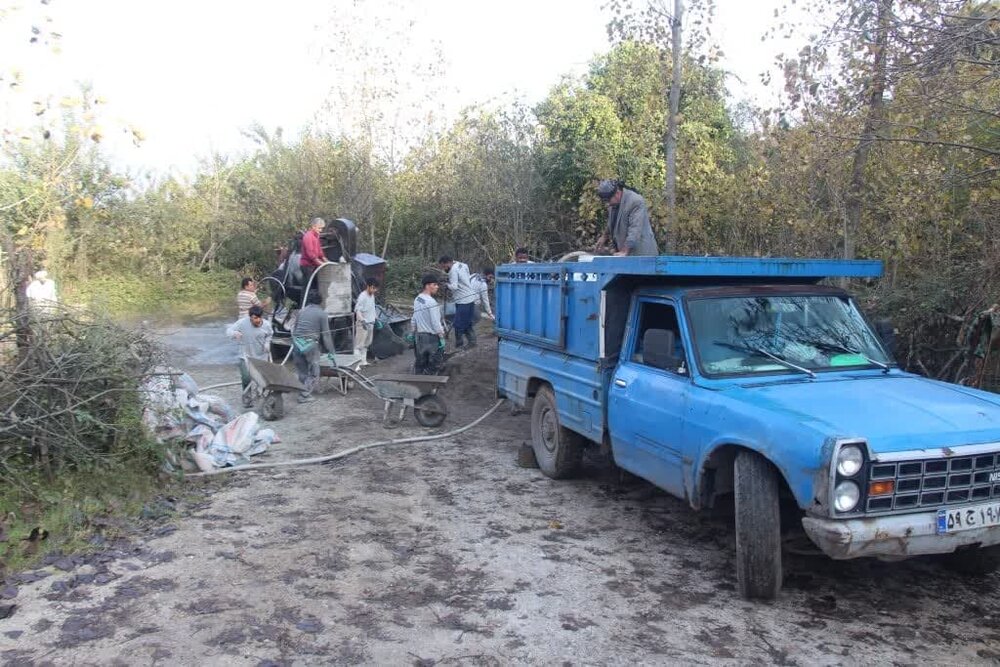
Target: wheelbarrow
[271, 382]
[419, 392]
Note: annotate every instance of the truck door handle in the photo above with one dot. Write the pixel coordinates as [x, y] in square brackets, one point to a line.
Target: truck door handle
[620, 383]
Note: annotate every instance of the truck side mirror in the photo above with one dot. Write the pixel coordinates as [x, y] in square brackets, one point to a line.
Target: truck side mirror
[658, 349]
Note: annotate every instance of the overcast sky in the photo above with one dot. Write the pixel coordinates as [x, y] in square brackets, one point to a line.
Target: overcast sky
[192, 73]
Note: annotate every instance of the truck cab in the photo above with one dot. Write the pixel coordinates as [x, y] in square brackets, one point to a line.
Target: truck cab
[752, 377]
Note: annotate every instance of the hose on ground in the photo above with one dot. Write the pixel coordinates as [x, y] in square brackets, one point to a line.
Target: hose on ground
[221, 384]
[352, 450]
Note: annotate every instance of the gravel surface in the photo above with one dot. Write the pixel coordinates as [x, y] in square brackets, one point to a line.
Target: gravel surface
[448, 553]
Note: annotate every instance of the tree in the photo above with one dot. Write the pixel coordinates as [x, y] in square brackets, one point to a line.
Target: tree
[648, 22]
[935, 59]
[611, 122]
[385, 98]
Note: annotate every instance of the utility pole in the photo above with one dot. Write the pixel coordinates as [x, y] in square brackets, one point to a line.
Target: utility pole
[670, 143]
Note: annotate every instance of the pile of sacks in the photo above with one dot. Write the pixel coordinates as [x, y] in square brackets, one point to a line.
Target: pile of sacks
[213, 434]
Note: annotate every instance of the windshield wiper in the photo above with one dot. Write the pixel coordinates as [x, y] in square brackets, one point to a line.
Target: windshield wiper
[843, 348]
[765, 353]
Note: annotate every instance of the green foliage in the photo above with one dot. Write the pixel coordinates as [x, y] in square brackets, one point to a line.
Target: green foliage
[72, 507]
[180, 293]
[402, 280]
[612, 124]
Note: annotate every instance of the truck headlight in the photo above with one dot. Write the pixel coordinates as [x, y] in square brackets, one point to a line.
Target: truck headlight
[849, 461]
[846, 496]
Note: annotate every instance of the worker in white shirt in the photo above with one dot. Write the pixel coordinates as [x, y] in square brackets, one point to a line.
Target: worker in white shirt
[365, 320]
[462, 293]
[41, 291]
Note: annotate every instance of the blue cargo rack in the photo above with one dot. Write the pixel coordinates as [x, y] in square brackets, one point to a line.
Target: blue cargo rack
[563, 322]
[536, 301]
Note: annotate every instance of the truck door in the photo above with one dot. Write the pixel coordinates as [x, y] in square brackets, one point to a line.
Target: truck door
[648, 403]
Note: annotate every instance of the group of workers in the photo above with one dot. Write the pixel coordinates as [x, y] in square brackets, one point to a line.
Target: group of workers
[629, 232]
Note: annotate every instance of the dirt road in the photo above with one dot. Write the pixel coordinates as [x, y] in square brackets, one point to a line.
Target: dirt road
[448, 553]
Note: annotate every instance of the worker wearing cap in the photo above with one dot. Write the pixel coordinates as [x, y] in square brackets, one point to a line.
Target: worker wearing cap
[628, 221]
[427, 327]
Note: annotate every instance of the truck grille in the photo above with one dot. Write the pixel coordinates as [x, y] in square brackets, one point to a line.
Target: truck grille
[936, 482]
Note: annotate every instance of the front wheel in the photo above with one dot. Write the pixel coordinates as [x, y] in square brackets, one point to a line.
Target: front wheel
[430, 411]
[758, 527]
[272, 406]
[558, 450]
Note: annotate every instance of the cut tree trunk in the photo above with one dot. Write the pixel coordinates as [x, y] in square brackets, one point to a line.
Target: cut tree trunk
[670, 142]
[873, 118]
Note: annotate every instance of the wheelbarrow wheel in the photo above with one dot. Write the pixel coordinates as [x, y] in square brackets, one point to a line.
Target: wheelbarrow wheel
[272, 407]
[430, 411]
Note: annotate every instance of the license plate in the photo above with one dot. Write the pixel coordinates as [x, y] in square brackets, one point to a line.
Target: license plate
[968, 518]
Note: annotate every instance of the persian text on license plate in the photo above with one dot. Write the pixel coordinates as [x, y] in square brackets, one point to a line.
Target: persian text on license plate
[968, 518]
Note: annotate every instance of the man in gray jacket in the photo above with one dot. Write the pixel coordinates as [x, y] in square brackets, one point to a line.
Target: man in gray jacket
[628, 221]
[427, 329]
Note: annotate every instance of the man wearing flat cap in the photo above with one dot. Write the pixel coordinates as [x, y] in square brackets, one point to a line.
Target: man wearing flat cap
[628, 221]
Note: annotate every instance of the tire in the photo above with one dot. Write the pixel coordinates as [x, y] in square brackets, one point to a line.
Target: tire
[558, 450]
[758, 527]
[272, 407]
[974, 562]
[435, 413]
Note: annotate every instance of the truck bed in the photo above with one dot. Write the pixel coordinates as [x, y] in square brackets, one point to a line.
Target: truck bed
[563, 323]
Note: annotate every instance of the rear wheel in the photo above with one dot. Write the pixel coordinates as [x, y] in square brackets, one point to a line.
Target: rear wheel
[758, 527]
[975, 561]
[430, 411]
[558, 450]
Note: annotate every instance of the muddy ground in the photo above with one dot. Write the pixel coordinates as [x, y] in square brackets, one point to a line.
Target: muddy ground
[448, 553]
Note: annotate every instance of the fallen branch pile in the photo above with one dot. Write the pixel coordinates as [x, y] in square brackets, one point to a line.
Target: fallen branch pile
[69, 391]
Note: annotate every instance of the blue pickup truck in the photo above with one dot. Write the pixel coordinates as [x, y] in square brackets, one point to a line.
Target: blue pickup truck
[758, 380]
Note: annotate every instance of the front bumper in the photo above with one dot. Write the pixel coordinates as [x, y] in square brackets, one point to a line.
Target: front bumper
[892, 537]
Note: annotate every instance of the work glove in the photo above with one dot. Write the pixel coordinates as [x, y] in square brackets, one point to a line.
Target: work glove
[333, 359]
[378, 324]
[409, 338]
[441, 344]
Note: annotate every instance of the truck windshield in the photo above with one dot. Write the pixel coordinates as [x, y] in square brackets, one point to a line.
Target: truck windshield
[771, 334]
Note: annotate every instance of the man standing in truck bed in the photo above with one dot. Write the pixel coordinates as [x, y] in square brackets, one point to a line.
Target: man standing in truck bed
[628, 221]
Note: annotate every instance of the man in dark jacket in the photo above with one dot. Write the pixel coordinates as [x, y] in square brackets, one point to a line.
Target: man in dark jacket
[628, 221]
